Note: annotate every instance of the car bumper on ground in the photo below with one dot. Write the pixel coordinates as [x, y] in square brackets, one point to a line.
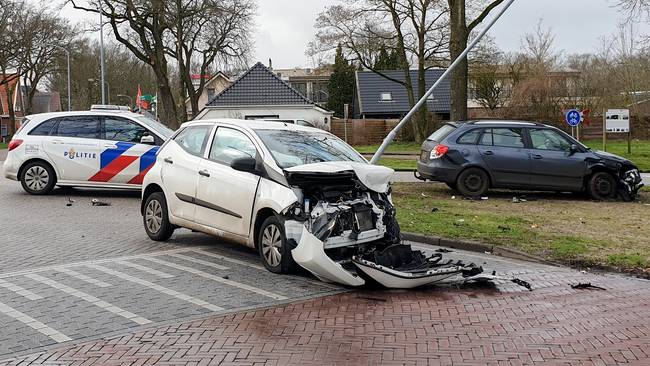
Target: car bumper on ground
[437, 170]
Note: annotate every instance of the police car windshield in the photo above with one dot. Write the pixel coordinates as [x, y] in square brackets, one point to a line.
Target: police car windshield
[165, 131]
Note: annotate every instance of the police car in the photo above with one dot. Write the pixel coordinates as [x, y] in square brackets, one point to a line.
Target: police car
[105, 147]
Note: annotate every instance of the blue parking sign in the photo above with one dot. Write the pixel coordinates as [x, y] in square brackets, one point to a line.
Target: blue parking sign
[573, 117]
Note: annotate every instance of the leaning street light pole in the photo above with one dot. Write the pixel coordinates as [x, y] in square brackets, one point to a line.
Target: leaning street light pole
[391, 135]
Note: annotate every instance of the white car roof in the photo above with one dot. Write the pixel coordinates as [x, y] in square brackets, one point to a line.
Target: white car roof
[254, 124]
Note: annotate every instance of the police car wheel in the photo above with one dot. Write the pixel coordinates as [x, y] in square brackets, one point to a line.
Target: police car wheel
[156, 219]
[38, 178]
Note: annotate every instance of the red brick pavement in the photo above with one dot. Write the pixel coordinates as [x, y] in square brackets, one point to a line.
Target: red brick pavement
[480, 326]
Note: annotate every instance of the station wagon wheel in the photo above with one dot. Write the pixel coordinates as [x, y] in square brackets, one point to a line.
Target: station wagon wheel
[38, 178]
[602, 186]
[156, 219]
[473, 182]
[272, 246]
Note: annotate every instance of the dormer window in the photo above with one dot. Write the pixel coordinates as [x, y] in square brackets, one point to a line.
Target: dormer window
[386, 97]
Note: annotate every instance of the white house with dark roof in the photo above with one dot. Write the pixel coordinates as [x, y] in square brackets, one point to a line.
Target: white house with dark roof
[258, 94]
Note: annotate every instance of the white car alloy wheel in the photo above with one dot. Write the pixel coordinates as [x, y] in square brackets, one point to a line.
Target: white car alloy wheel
[153, 216]
[37, 178]
[272, 245]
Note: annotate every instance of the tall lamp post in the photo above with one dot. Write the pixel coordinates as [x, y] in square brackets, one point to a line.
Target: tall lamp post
[101, 50]
[67, 55]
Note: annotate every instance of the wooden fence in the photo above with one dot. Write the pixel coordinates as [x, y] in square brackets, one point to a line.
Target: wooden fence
[363, 131]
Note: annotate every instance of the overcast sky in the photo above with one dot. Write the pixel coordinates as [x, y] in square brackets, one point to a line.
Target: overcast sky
[284, 27]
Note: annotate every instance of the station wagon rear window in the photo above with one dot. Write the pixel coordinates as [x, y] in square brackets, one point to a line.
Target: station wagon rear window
[442, 133]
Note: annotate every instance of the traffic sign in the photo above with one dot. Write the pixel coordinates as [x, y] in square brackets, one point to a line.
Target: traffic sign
[573, 117]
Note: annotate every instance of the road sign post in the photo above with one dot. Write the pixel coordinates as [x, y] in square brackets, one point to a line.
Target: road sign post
[573, 119]
[618, 121]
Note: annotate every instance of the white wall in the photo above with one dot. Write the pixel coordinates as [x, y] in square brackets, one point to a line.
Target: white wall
[307, 113]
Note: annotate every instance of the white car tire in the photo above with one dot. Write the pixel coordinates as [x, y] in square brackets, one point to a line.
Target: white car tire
[38, 178]
[156, 218]
[272, 246]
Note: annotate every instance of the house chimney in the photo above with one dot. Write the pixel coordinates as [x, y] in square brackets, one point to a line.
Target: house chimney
[270, 64]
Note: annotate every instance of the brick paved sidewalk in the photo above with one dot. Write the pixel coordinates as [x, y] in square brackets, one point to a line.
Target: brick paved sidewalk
[469, 326]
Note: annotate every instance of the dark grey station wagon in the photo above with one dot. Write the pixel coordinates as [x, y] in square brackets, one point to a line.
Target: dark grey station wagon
[472, 157]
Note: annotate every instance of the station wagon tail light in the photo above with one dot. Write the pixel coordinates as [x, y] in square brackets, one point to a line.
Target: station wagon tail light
[14, 143]
[438, 151]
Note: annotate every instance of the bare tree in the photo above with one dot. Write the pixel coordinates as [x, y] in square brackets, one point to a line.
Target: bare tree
[12, 50]
[195, 32]
[635, 8]
[413, 29]
[142, 27]
[124, 72]
[208, 32]
[42, 29]
[460, 30]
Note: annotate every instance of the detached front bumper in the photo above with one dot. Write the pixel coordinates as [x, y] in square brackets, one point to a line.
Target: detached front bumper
[310, 254]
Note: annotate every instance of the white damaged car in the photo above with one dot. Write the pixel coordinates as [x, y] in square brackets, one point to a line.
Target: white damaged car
[299, 195]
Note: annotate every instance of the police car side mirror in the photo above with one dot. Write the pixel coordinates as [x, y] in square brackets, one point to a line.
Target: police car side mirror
[147, 139]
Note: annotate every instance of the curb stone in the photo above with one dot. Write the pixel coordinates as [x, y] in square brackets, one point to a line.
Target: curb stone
[472, 246]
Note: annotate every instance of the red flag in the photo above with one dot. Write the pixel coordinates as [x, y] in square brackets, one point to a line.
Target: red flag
[138, 97]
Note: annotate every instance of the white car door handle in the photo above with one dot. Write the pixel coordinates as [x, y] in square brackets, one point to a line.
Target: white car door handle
[110, 146]
[57, 142]
[204, 173]
[168, 160]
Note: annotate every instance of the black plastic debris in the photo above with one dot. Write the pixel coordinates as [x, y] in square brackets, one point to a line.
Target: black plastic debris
[522, 283]
[435, 209]
[70, 202]
[97, 202]
[587, 286]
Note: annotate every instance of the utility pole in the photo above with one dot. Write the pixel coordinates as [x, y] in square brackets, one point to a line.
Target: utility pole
[418, 105]
[101, 50]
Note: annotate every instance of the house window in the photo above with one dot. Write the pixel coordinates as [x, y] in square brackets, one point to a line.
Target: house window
[4, 131]
[300, 87]
[386, 97]
[210, 93]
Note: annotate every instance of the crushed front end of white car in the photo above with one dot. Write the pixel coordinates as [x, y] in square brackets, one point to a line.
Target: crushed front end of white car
[343, 229]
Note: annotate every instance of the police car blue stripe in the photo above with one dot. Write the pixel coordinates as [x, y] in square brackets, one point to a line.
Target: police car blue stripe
[108, 155]
[148, 158]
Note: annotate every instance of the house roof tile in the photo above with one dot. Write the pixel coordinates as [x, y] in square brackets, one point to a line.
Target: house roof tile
[371, 85]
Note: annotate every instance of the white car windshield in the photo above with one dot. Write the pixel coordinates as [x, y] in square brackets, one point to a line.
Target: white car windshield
[165, 131]
[292, 148]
